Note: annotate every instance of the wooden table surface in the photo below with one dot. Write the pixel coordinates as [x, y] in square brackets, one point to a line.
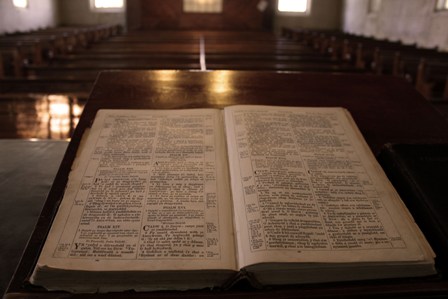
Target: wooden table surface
[386, 109]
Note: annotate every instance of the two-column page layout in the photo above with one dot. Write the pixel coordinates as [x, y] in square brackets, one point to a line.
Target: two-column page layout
[185, 199]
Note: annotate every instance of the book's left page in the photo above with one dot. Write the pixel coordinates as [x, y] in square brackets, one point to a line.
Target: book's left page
[148, 191]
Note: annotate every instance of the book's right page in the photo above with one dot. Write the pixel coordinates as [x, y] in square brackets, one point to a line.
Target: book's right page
[307, 189]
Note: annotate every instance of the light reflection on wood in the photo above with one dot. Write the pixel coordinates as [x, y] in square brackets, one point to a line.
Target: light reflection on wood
[40, 117]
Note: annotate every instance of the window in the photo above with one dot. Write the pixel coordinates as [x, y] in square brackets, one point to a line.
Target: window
[203, 6]
[374, 6]
[442, 5]
[20, 3]
[107, 5]
[294, 6]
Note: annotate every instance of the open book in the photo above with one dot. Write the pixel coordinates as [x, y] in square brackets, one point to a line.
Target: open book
[187, 199]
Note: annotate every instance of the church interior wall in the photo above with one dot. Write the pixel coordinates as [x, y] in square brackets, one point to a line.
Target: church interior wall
[409, 21]
[38, 14]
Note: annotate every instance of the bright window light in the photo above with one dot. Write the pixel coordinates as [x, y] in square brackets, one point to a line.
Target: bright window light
[442, 5]
[293, 5]
[107, 6]
[108, 3]
[202, 6]
[20, 3]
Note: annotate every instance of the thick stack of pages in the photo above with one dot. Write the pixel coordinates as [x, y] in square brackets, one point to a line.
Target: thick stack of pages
[187, 199]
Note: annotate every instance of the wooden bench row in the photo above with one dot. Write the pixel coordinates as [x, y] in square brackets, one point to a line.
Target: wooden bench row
[180, 50]
[426, 69]
[36, 47]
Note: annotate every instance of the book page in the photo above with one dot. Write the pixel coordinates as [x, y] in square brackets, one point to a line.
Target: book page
[148, 191]
[306, 188]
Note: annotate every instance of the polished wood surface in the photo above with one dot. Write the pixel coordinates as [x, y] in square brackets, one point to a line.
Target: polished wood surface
[33, 116]
[67, 86]
[386, 109]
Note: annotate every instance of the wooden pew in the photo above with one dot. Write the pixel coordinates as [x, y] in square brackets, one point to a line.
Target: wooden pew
[181, 36]
[141, 49]
[181, 50]
[84, 35]
[368, 53]
[257, 48]
[382, 56]
[425, 68]
[65, 39]
[261, 65]
[161, 50]
[274, 55]
[190, 47]
[12, 62]
[2, 67]
[223, 50]
[144, 58]
[36, 49]
[309, 37]
[133, 63]
[310, 57]
[30, 50]
[38, 46]
[338, 45]
[432, 79]
[90, 70]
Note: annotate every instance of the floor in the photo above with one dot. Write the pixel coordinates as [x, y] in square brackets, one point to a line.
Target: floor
[27, 170]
